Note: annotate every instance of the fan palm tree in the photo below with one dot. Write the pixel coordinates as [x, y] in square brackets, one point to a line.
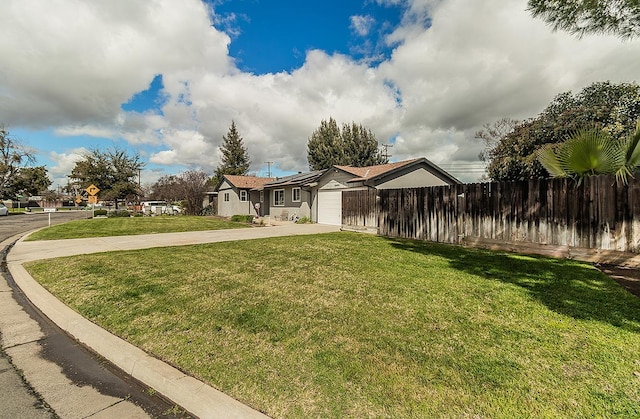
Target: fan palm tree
[592, 152]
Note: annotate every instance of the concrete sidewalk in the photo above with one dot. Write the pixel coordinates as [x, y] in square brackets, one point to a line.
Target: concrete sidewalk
[189, 393]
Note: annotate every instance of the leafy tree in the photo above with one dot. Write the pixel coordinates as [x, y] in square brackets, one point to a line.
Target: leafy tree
[614, 108]
[235, 157]
[113, 171]
[354, 145]
[13, 156]
[361, 146]
[31, 181]
[618, 17]
[592, 152]
[189, 188]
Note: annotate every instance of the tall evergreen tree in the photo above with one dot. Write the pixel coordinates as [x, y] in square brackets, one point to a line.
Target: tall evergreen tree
[354, 145]
[324, 148]
[235, 157]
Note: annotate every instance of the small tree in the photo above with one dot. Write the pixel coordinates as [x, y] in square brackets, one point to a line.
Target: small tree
[31, 181]
[235, 157]
[614, 108]
[13, 156]
[354, 145]
[189, 188]
[592, 152]
[114, 172]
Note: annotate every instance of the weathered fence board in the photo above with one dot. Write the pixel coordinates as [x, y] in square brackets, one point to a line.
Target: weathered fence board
[596, 214]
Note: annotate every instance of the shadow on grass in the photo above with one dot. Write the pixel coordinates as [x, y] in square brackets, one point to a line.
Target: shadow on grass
[566, 287]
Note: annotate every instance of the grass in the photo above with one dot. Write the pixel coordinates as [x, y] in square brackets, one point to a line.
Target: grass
[120, 226]
[348, 325]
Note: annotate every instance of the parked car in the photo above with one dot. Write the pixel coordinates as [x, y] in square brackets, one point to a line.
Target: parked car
[3, 209]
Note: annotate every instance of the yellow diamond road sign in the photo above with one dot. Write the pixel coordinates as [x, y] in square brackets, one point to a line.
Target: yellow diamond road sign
[92, 190]
[78, 199]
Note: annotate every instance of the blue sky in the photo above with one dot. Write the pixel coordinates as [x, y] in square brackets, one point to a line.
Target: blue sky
[273, 36]
[166, 78]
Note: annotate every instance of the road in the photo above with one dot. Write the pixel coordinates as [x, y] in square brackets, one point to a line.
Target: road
[76, 363]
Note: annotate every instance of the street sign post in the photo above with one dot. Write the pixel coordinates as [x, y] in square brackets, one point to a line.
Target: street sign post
[92, 189]
[49, 210]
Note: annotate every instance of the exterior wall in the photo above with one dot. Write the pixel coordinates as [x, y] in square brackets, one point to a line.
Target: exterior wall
[332, 180]
[300, 209]
[418, 178]
[234, 206]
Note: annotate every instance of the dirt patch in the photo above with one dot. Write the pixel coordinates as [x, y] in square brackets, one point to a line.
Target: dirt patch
[629, 278]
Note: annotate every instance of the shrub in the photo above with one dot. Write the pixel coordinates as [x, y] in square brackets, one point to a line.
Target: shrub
[304, 220]
[99, 212]
[119, 213]
[242, 218]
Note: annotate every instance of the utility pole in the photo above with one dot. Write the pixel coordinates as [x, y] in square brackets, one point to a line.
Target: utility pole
[269, 163]
[386, 150]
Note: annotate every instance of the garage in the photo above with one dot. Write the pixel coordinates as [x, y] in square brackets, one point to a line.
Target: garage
[330, 207]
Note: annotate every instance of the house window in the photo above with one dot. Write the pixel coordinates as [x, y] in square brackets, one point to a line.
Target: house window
[261, 196]
[226, 197]
[243, 196]
[278, 198]
[295, 194]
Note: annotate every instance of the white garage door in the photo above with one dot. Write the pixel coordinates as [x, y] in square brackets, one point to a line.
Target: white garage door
[330, 207]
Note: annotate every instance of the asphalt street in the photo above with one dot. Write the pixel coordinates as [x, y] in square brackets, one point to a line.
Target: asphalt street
[64, 358]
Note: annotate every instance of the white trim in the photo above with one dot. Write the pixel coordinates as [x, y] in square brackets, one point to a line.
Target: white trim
[293, 194]
[275, 201]
[246, 195]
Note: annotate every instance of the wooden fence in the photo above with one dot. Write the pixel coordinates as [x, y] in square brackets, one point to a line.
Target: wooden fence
[597, 214]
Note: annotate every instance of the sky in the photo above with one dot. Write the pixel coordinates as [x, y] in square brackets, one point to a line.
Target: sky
[166, 78]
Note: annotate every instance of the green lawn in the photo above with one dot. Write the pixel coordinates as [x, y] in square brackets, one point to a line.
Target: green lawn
[121, 226]
[352, 325]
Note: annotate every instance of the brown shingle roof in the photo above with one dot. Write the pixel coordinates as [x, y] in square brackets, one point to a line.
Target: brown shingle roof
[369, 172]
[247, 182]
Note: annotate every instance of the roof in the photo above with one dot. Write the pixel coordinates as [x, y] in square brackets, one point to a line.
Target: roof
[297, 179]
[247, 182]
[373, 172]
[369, 172]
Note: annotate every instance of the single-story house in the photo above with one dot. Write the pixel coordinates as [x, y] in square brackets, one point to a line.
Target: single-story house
[318, 194]
[241, 195]
[414, 173]
[290, 197]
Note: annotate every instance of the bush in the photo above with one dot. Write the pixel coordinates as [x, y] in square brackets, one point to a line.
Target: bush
[207, 211]
[119, 213]
[99, 212]
[304, 220]
[242, 218]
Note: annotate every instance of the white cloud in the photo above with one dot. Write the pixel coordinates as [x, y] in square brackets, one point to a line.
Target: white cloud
[361, 25]
[63, 164]
[76, 61]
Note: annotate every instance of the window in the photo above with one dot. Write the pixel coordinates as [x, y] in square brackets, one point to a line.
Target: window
[226, 197]
[261, 196]
[243, 196]
[295, 194]
[278, 198]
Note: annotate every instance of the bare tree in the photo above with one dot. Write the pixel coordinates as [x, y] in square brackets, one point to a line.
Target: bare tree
[13, 156]
[189, 188]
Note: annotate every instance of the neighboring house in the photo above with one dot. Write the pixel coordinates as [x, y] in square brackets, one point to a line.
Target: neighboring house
[238, 195]
[290, 197]
[327, 194]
